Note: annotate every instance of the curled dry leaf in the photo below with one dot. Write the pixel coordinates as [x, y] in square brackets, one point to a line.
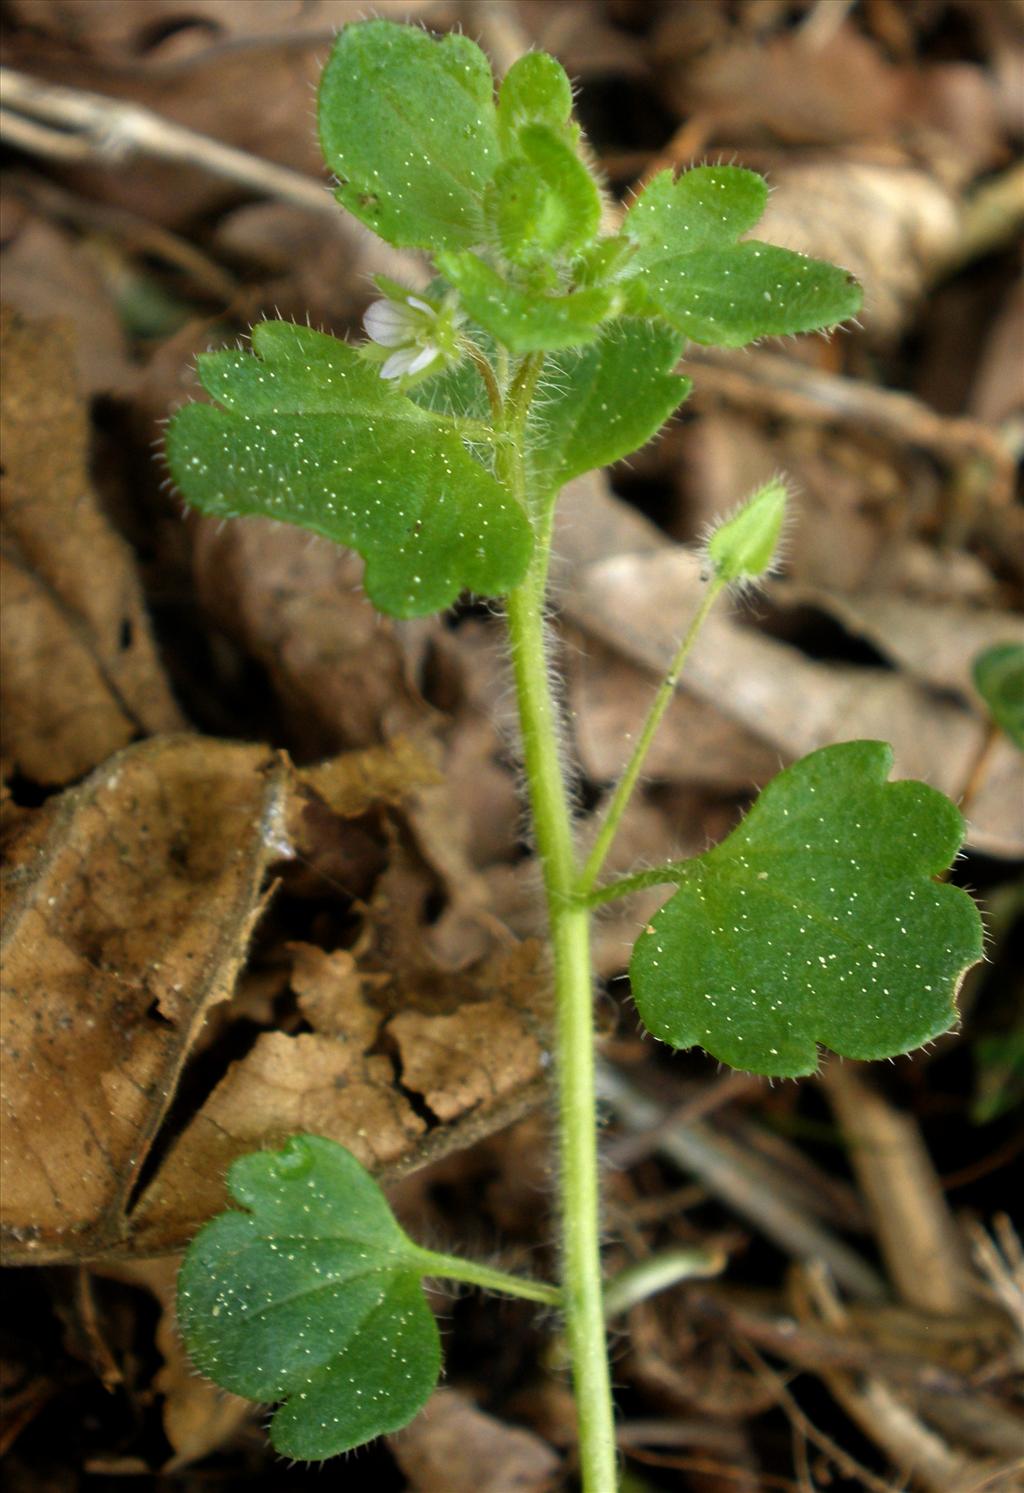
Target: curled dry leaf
[285, 1085]
[81, 677]
[466, 1061]
[336, 1081]
[129, 907]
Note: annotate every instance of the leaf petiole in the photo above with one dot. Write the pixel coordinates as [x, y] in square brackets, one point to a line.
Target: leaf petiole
[453, 1267]
[624, 791]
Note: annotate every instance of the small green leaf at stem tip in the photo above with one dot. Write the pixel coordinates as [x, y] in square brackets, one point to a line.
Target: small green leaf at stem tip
[527, 321]
[743, 547]
[818, 920]
[311, 1296]
[307, 433]
[999, 680]
[535, 90]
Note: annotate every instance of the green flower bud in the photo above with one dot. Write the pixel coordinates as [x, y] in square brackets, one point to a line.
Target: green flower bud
[743, 547]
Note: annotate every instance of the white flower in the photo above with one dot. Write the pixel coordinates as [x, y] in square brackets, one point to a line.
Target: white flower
[416, 330]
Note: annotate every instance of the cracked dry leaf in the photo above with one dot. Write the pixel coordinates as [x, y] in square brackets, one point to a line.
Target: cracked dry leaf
[286, 1084]
[81, 677]
[470, 1059]
[128, 911]
[330, 1082]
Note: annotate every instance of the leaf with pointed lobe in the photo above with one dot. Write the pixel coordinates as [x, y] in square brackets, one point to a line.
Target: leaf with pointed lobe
[689, 267]
[308, 433]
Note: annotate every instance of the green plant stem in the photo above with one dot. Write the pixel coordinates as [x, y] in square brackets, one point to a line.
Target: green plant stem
[451, 1267]
[624, 886]
[579, 1185]
[624, 791]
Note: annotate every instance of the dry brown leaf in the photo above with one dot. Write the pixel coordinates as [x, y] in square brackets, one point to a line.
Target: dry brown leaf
[468, 1060]
[935, 643]
[130, 905]
[285, 1085]
[47, 272]
[454, 1447]
[160, 29]
[696, 743]
[128, 915]
[344, 675]
[332, 1083]
[81, 677]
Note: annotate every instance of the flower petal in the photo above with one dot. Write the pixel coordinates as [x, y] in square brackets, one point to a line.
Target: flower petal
[399, 362]
[424, 358]
[389, 323]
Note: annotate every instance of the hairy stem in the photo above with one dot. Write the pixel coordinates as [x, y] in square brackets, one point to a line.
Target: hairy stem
[579, 1190]
[624, 791]
[452, 1267]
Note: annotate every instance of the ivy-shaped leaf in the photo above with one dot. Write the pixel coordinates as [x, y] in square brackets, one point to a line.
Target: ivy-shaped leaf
[312, 1296]
[816, 921]
[689, 267]
[408, 124]
[604, 402]
[999, 680]
[309, 434]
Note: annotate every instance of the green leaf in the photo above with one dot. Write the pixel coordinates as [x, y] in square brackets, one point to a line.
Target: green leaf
[705, 208]
[999, 680]
[606, 401]
[535, 90]
[309, 434]
[408, 124]
[527, 321]
[544, 202]
[312, 1296]
[816, 921]
[689, 267]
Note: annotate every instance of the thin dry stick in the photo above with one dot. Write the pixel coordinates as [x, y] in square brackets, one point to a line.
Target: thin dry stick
[727, 1173]
[70, 124]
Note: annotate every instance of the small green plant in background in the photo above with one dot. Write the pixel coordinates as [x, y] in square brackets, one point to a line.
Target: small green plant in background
[545, 347]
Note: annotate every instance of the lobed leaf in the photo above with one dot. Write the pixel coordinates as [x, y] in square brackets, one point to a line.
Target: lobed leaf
[999, 679]
[308, 433]
[313, 1296]
[689, 267]
[816, 921]
[607, 400]
[408, 123]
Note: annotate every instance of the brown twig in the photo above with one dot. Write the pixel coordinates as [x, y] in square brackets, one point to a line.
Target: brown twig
[70, 124]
